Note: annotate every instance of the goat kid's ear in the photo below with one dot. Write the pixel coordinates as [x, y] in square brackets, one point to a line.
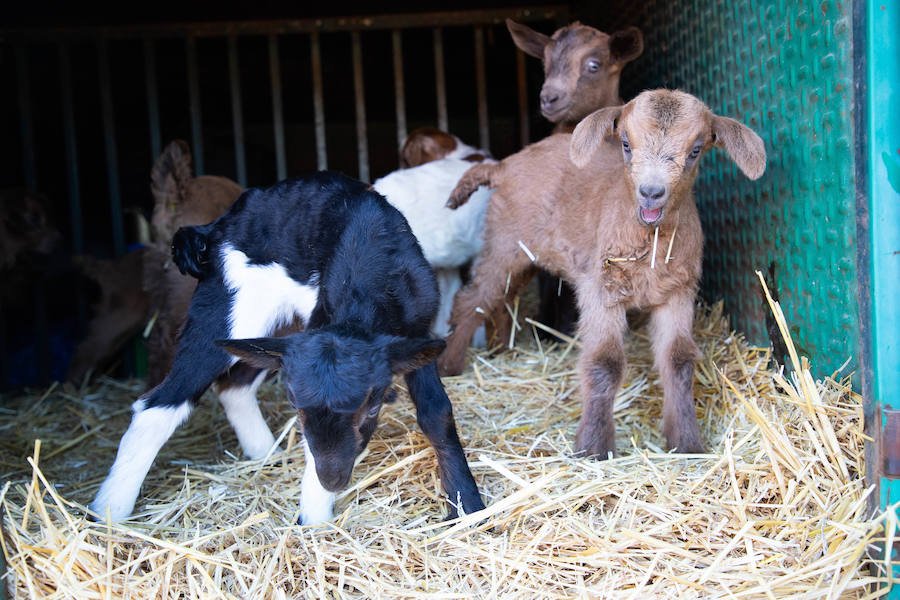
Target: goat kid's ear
[626, 45]
[742, 144]
[262, 353]
[408, 354]
[590, 133]
[527, 39]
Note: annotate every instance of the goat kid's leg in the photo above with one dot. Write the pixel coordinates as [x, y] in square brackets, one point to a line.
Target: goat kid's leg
[316, 503]
[601, 369]
[482, 296]
[449, 282]
[675, 353]
[161, 410]
[237, 393]
[434, 414]
[500, 323]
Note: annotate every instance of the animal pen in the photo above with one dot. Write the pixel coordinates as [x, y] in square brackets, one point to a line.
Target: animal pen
[796, 497]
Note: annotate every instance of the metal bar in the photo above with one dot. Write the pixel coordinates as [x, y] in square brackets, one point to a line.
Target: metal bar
[440, 84]
[318, 103]
[522, 88]
[359, 95]
[237, 111]
[481, 89]
[277, 113]
[551, 12]
[194, 99]
[72, 178]
[399, 89]
[109, 138]
[69, 133]
[25, 119]
[152, 99]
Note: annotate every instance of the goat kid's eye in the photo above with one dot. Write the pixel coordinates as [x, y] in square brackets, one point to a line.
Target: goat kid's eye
[695, 152]
[373, 410]
[592, 66]
[626, 147]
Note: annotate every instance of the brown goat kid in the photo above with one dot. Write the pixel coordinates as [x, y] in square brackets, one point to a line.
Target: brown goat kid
[582, 67]
[619, 221]
[180, 200]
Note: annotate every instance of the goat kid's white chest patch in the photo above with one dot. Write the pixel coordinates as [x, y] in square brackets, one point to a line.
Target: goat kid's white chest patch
[264, 297]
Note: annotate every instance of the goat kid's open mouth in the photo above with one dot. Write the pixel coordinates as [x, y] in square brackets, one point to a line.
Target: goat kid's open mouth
[650, 216]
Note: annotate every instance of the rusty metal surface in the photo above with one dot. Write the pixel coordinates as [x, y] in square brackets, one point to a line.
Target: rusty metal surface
[237, 110]
[277, 112]
[194, 102]
[399, 86]
[359, 99]
[286, 26]
[318, 102]
[152, 98]
[440, 84]
[484, 138]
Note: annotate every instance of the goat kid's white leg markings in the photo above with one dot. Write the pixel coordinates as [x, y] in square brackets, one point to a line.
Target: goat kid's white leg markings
[148, 431]
[316, 503]
[242, 409]
[265, 296]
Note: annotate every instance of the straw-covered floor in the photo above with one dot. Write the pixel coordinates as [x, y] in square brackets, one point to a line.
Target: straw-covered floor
[776, 509]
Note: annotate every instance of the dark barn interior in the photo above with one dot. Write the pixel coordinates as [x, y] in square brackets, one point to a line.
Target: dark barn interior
[97, 97]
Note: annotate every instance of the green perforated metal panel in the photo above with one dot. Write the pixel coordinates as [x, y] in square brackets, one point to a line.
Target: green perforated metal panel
[785, 69]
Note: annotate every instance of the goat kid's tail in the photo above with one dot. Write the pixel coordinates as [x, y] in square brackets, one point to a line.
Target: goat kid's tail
[471, 180]
[191, 252]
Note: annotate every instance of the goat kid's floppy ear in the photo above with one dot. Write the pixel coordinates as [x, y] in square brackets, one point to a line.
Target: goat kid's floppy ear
[742, 144]
[408, 354]
[527, 39]
[262, 353]
[590, 132]
[626, 45]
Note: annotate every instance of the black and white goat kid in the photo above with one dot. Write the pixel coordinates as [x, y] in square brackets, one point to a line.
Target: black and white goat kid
[329, 251]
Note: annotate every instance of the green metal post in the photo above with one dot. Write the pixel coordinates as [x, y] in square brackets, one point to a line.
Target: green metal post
[883, 128]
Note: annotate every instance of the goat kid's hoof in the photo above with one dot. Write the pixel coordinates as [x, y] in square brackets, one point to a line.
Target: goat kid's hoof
[447, 368]
[687, 447]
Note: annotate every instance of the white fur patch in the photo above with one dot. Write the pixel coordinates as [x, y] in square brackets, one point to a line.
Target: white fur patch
[449, 238]
[316, 503]
[242, 410]
[265, 296]
[148, 431]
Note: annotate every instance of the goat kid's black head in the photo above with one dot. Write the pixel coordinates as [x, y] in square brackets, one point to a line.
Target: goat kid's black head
[338, 383]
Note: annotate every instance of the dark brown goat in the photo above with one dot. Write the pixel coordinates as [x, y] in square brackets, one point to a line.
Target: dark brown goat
[621, 224]
[582, 67]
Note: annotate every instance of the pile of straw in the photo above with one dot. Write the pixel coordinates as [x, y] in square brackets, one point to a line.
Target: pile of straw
[776, 509]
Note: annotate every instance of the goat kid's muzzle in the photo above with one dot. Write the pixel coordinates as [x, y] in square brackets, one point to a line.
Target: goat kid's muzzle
[652, 200]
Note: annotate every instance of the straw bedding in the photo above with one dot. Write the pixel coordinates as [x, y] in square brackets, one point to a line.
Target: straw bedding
[776, 509]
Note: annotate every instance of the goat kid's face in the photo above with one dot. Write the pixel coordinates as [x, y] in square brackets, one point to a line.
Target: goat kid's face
[582, 66]
[337, 383]
[663, 134]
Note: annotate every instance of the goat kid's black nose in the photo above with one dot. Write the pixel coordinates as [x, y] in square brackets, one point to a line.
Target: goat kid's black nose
[652, 191]
[333, 481]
